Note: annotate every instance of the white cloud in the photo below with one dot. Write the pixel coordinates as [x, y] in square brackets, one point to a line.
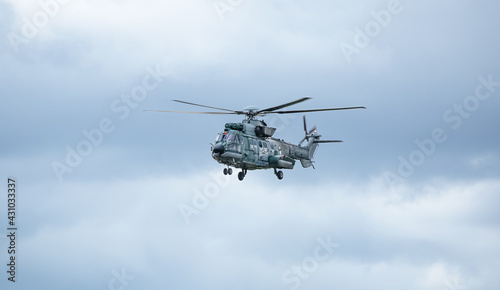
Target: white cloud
[425, 236]
[189, 34]
[117, 210]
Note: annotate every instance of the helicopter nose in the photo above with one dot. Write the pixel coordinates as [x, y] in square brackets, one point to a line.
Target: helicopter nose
[218, 148]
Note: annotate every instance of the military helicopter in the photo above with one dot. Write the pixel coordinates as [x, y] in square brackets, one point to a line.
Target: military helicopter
[250, 145]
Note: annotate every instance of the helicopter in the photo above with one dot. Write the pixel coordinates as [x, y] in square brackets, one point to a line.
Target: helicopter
[250, 145]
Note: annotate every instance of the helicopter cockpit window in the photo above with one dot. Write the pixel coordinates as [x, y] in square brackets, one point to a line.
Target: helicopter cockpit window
[231, 137]
[218, 138]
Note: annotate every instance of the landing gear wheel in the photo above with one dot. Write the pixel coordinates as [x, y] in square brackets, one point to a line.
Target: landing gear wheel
[225, 171]
[241, 175]
[279, 174]
[229, 171]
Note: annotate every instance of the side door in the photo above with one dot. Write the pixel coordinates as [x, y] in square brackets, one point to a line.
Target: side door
[252, 150]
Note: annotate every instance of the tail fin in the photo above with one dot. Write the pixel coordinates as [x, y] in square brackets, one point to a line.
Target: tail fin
[309, 148]
[313, 139]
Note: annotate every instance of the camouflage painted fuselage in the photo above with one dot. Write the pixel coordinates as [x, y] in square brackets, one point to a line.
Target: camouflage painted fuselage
[250, 145]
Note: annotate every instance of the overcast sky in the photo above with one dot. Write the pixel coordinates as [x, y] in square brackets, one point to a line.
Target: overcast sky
[112, 197]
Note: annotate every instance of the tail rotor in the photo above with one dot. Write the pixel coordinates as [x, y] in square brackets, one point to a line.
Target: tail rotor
[307, 133]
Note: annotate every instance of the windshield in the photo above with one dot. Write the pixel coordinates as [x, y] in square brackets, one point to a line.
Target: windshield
[230, 138]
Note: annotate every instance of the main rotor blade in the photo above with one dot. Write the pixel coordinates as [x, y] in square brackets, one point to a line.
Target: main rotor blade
[187, 112]
[328, 141]
[215, 108]
[305, 126]
[283, 106]
[314, 110]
